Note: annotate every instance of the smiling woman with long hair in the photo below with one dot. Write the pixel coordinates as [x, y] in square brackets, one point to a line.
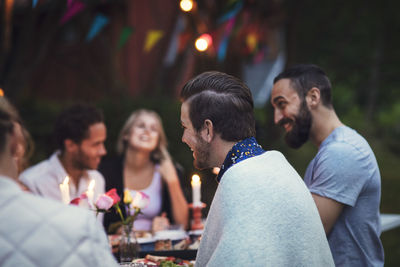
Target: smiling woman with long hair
[144, 164]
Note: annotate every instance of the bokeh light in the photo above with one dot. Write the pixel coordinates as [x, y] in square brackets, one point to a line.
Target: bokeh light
[186, 5]
[203, 42]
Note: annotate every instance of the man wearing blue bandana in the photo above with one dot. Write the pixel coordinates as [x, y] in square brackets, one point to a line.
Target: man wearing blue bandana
[262, 213]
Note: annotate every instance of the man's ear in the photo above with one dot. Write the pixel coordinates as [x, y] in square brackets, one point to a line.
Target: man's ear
[69, 145]
[207, 133]
[313, 97]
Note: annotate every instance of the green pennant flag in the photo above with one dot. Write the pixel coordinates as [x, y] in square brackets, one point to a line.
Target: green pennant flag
[124, 37]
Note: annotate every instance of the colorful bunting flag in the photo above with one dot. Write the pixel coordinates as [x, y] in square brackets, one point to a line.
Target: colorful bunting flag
[251, 42]
[74, 7]
[259, 57]
[231, 13]
[153, 36]
[124, 37]
[98, 23]
[223, 47]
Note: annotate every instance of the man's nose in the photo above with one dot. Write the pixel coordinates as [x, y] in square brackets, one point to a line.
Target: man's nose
[183, 138]
[103, 150]
[277, 116]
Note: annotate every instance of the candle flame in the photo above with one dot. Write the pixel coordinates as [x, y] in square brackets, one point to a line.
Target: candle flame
[91, 185]
[66, 181]
[196, 179]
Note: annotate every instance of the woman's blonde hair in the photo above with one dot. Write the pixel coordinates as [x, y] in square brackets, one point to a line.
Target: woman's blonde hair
[122, 142]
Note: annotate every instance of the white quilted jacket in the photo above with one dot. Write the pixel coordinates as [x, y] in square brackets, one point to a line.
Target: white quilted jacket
[40, 232]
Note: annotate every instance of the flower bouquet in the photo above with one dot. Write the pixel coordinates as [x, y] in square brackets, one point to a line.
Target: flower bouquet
[128, 246]
[104, 202]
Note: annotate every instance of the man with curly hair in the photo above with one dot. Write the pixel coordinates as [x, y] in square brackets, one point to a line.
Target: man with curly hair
[79, 135]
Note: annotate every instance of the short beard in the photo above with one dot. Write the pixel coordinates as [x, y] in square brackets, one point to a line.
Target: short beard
[301, 128]
[201, 161]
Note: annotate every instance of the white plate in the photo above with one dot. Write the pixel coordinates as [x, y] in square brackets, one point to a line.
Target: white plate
[143, 240]
[196, 232]
[170, 234]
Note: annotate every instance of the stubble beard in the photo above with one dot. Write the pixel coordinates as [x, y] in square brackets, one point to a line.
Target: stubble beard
[201, 161]
[82, 161]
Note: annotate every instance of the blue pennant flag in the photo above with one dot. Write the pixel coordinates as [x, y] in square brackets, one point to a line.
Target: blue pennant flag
[98, 23]
[231, 13]
[34, 3]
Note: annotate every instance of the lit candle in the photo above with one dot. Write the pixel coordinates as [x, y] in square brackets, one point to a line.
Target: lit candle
[90, 192]
[196, 189]
[64, 188]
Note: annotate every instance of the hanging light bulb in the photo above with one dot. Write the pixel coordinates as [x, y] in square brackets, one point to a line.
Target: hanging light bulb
[203, 42]
[186, 5]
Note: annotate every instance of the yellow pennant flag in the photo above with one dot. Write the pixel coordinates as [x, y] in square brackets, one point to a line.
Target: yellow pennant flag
[153, 36]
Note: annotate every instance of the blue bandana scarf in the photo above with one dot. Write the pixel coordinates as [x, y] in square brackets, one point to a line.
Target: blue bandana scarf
[242, 150]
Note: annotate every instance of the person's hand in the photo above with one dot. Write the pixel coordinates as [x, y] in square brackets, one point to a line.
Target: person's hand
[160, 223]
[167, 168]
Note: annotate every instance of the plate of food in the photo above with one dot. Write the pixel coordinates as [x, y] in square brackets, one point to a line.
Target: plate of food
[162, 261]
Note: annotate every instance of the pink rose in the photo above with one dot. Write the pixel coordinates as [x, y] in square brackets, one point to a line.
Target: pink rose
[104, 202]
[113, 194]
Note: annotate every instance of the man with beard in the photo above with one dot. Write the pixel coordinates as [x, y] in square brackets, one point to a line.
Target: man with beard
[343, 177]
[79, 135]
[262, 213]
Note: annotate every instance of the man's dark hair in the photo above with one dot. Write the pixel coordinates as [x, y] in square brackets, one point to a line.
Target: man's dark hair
[74, 122]
[223, 99]
[303, 77]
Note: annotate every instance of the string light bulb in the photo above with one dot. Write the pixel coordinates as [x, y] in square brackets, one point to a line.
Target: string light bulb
[186, 5]
[203, 42]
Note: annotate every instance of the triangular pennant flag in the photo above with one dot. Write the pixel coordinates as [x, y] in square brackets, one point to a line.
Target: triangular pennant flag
[34, 3]
[223, 47]
[74, 8]
[251, 42]
[259, 57]
[125, 34]
[153, 36]
[231, 13]
[69, 3]
[98, 23]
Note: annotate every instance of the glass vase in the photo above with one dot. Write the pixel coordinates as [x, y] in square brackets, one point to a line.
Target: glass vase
[128, 246]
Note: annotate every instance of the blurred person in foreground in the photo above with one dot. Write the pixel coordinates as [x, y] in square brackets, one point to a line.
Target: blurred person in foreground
[262, 213]
[79, 134]
[343, 177]
[145, 165]
[25, 147]
[36, 231]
